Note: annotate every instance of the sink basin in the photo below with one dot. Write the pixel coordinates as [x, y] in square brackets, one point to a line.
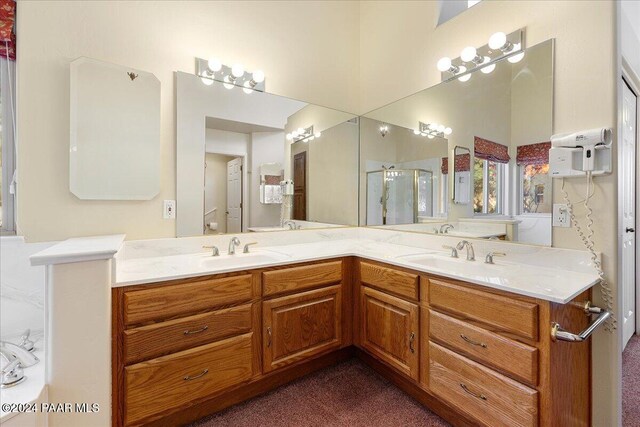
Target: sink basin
[448, 264]
[242, 259]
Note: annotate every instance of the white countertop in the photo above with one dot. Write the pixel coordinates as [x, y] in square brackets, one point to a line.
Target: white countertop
[79, 249]
[552, 282]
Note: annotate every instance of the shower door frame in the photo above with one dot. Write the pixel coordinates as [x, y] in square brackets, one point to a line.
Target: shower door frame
[416, 175]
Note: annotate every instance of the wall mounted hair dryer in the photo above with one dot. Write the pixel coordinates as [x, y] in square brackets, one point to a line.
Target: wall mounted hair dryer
[575, 154]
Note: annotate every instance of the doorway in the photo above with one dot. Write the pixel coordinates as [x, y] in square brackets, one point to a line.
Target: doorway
[234, 196]
[216, 191]
[300, 186]
[628, 143]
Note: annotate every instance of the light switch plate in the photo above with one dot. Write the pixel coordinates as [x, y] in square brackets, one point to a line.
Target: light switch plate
[169, 209]
[561, 215]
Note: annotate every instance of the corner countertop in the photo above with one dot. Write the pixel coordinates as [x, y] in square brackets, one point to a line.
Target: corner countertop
[551, 274]
[79, 249]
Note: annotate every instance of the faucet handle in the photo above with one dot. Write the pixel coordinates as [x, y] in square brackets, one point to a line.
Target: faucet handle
[454, 251]
[214, 250]
[246, 247]
[489, 258]
[25, 342]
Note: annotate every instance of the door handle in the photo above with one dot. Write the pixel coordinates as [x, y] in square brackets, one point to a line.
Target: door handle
[630, 230]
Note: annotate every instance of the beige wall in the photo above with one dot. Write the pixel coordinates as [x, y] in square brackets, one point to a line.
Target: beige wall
[299, 57]
[584, 97]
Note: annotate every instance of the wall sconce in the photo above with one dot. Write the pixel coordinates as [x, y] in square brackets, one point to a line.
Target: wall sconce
[500, 46]
[432, 130]
[303, 135]
[384, 129]
[231, 76]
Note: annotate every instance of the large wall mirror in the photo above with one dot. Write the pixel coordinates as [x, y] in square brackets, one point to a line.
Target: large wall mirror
[249, 162]
[467, 158]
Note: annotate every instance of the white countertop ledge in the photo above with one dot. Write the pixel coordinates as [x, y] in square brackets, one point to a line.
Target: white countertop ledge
[550, 281]
[79, 249]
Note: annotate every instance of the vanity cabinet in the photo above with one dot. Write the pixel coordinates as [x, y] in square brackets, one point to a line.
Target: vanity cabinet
[389, 330]
[301, 325]
[476, 356]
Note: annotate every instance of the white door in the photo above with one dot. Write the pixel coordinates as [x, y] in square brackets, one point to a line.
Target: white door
[628, 190]
[234, 196]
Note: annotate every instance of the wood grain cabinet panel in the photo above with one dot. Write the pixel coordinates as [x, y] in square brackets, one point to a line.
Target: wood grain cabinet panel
[301, 326]
[391, 280]
[179, 380]
[498, 312]
[163, 338]
[301, 278]
[389, 330]
[508, 356]
[492, 399]
[166, 302]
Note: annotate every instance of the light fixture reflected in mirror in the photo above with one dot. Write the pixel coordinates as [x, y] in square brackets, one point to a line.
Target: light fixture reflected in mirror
[384, 129]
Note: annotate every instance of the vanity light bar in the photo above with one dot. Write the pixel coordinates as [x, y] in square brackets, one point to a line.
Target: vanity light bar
[500, 46]
[303, 134]
[213, 69]
[432, 130]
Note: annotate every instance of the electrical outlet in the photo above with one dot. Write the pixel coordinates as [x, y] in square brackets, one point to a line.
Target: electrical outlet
[169, 209]
[561, 215]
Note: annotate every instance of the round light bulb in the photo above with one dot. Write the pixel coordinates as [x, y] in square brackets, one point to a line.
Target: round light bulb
[214, 64]
[516, 58]
[206, 81]
[448, 131]
[416, 132]
[497, 40]
[488, 68]
[463, 69]
[289, 137]
[468, 54]
[228, 84]
[258, 76]
[311, 138]
[300, 131]
[237, 70]
[430, 136]
[441, 128]
[295, 134]
[444, 64]
[247, 87]
[317, 134]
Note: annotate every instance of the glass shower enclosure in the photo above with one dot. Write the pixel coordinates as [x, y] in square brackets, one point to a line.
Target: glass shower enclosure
[399, 196]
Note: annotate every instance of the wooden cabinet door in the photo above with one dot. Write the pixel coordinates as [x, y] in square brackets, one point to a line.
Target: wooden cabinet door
[390, 330]
[300, 326]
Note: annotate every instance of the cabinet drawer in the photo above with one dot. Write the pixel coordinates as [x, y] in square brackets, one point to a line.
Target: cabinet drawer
[487, 396]
[390, 330]
[169, 301]
[394, 281]
[497, 312]
[508, 356]
[300, 326]
[301, 278]
[163, 338]
[179, 380]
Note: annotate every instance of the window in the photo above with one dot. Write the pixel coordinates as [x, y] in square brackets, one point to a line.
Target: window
[534, 186]
[488, 187]
[535, 183]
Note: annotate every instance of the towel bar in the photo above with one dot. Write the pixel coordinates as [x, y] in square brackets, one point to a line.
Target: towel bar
[557, 333]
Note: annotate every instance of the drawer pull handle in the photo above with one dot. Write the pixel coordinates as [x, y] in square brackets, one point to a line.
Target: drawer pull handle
[269, 336]
[472, 342]
[200, 375]
[412, 338]
[197, 331]
[478, 396]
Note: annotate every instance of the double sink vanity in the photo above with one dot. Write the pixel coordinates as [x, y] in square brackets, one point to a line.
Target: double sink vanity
[469, 338]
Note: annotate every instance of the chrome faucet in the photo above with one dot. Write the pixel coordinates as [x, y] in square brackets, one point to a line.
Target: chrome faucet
[15, 359]
[232, 245]
[246, 247]
[444, 228]
[291, 225]
[471, 256]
